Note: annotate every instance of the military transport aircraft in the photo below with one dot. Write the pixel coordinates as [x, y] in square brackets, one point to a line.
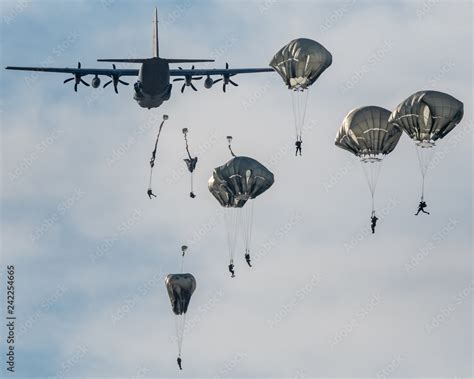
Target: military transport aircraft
[153, 86]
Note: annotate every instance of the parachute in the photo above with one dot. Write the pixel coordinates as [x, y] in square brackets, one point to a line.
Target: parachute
[190, 162]
[366, 133]
[300, 63]
[180, 288]
[234, 184]
[153, 157]
[427, 116]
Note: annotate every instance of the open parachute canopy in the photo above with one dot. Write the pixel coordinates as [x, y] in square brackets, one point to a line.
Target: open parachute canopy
[238, 180]
[428, 115]
[180, 288]
[365, 132]
[301, 62]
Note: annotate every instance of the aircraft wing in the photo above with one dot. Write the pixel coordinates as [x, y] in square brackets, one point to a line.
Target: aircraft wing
[80, 71]
[218, 71]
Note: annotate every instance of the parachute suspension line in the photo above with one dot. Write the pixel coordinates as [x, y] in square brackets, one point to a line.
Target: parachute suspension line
[424, 155]
[180, 322]
[299, 99]
[305, 96]
[153, 157]
[371, 170]
[246, 222]
[231, 223]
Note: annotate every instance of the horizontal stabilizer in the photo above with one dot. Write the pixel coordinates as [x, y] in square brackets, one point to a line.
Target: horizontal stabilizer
[126, 60]
[187, 60]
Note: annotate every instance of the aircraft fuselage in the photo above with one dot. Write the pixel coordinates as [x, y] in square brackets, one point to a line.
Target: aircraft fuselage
[153, 85]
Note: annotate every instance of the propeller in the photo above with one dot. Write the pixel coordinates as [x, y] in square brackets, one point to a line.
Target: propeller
[78, 79]
[226, 79]
[115, 80]
[188, 80]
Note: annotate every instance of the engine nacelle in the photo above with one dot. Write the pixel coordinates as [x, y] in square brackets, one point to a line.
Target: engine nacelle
[208, 82]
[95, 82]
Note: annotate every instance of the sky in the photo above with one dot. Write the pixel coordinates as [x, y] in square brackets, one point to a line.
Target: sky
[325, 298]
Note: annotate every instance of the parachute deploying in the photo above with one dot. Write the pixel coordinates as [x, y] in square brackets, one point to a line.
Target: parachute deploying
[233, 184]
[180, 288]
[153, 157]
[300, 63]
[427, 116]
[190, 162]
[366, 133]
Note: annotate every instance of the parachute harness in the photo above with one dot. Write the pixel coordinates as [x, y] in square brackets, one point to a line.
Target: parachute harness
[190, 162]
[153, 157]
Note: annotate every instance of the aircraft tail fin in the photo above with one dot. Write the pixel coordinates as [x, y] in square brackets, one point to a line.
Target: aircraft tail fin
[155, 47]
[156, 51]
